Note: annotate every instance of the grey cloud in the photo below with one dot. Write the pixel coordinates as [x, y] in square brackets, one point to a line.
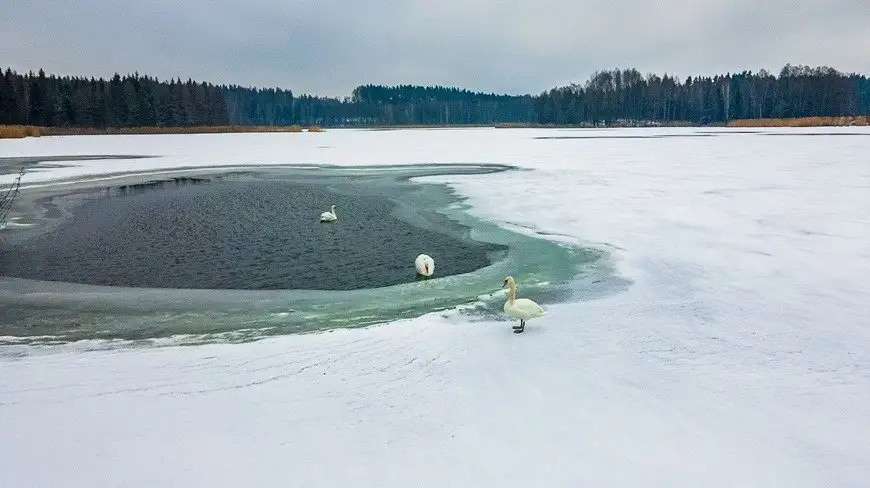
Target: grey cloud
[502, 46]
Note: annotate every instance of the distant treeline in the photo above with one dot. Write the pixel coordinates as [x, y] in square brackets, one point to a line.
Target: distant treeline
[618, 97]
[438, 105]
[625, 95]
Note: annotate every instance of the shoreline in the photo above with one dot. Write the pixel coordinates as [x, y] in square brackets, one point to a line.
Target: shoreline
[22, 131]
[838, 121]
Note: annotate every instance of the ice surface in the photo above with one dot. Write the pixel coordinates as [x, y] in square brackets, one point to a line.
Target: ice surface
[739, 357]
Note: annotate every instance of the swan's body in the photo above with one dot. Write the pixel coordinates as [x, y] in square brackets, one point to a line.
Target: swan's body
[520, 308]
[329, 216]
[425, 265]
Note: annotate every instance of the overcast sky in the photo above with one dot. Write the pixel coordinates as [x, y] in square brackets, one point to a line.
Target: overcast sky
[327, 47]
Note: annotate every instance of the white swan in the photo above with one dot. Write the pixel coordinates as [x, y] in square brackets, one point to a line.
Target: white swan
[329, 216]
[425, 265]
[520, 308]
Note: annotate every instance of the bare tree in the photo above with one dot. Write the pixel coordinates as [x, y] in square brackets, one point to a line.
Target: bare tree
[7, 198]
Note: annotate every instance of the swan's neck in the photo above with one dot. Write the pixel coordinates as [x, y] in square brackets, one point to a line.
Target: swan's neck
[333, 210]
[512, 293]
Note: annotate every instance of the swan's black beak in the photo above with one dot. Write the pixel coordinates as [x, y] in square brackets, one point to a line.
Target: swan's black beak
[504, 284]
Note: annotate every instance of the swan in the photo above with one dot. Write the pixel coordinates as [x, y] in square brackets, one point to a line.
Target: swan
[329, 216]
[425, 265]
[520, 308]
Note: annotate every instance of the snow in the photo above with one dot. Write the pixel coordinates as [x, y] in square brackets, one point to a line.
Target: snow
[738, 357]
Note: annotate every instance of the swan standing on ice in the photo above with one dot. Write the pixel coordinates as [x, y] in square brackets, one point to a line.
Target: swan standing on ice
[329, 216]
[425, 265]
[520, 308]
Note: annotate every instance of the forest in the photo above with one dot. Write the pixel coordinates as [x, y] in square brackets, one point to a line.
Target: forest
[626, 95]
[611, 97]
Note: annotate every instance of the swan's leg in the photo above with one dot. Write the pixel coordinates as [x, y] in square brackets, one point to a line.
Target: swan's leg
[522, 327]
[515, 327]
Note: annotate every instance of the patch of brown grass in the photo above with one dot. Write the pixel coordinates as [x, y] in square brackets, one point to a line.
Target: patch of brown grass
[18, 131]
[801, 122]
[315, 128]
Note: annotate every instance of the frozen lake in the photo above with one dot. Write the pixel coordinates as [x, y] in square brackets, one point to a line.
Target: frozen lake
[737, 355]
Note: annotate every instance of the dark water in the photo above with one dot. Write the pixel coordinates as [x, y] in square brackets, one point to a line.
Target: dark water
[226, 234]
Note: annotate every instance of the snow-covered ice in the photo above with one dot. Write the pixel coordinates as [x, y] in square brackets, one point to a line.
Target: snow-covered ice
[738, 356]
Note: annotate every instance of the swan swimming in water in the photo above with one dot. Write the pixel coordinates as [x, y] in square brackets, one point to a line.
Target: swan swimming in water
[425, 265]
[520, 308]
[329, 216]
